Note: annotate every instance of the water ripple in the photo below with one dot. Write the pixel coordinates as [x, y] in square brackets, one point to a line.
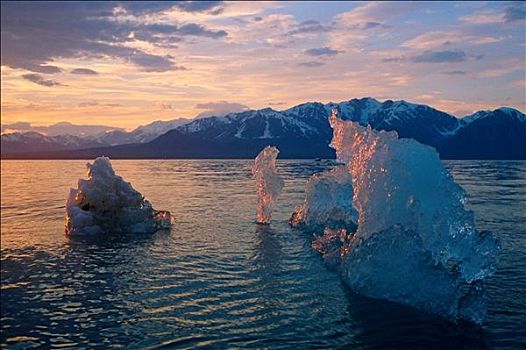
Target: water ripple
[218, 280]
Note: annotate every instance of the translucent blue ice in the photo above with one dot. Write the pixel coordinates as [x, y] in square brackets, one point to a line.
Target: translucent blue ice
[415, 243]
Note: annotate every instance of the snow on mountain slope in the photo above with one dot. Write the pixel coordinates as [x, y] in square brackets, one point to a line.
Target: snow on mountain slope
[35, 142]
[301, 131]
[420, 122]
[502, 112]
[360, 110]
[32, 141]
[146, 133]
[60, 128]
[307, 121]
[141, 134]
[262, 124]
[498, 134]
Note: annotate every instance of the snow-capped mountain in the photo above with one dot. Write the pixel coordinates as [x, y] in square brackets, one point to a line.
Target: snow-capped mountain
[146, 133]
[141, 134]
[60, 128]
[420, 122]
[498, 134]
[304, 132]
[500, 113]
[309, 120]
[30, 142]
[261, 124]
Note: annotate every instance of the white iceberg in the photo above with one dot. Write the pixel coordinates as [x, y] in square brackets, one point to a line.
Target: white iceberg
[268, 183]
[105, 203]
[414, 243]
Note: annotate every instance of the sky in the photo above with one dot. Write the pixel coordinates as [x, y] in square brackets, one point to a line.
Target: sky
[129, 63]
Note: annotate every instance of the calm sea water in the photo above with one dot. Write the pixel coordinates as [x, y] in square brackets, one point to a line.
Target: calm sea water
[217, 279]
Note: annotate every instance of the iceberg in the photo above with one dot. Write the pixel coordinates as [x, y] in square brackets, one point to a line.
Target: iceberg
[414, 243]
[328, 202]
[268, 183]
[106, 203]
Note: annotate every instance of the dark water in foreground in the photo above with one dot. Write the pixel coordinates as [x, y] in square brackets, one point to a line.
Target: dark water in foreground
[218, 280]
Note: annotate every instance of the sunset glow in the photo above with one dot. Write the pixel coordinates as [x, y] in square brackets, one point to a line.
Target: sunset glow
[263, 174]
[129, 64]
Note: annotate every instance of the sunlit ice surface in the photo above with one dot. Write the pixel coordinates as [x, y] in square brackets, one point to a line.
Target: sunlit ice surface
[269, 183]
[218, 279]
[415, 243]
[105, 203]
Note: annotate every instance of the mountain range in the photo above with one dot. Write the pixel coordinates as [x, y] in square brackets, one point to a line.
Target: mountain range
[299, 132]
[75, 137]
[58, 129]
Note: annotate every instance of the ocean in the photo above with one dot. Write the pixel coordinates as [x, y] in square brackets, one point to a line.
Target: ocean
[219, 280]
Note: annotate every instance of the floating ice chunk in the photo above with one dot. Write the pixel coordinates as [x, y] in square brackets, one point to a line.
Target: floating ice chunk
[393, 264]
[268, 183]
[328, 202]
[401, 181]
[415, 243]
[106, 203]
[331, 245]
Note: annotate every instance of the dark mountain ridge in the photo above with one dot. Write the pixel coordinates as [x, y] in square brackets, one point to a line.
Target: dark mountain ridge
[303, 132]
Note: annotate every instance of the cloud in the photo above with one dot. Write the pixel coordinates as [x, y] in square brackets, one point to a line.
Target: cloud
[152, 63]
[455, 72]
[311, 64]
[144, 7]
[95, 103]
[199, 6]
[367, 24]
[34, 34]
[370, 25]
[46, 69]
[84, 71]
[270, 29]
[515, 12]
[244, 67]
[308, 27]
[461, 113]
[374, 14]
[166, 106]
[498, 72]
[219, 108]
[437, 39]
[88, 104]
[199, 30]
[17, 126]
[322, 51]
[485, 17]
[440, 57]
[392, 59]
[38, 79]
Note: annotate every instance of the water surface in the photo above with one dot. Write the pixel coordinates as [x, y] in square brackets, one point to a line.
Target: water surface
[219, 280]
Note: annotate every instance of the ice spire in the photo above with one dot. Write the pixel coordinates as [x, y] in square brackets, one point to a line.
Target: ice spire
[268, 183]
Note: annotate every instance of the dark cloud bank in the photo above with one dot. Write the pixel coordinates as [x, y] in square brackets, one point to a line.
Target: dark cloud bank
[33, 34]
